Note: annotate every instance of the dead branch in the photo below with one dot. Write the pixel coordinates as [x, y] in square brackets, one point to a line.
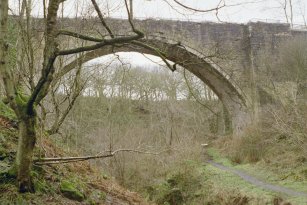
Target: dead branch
[61, 160]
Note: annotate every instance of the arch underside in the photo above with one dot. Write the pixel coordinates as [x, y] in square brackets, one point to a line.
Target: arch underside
[231, 96]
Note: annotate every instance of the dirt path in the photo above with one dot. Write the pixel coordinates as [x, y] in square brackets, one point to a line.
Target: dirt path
[258, 182]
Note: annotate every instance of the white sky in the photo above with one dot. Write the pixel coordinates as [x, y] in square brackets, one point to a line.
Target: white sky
[237, 10]
[132, 58]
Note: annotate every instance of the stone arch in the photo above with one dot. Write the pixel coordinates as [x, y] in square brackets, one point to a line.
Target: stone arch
[233, 99]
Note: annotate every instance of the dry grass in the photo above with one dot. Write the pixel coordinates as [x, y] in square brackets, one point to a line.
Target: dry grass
[250, 148]
[278, 143]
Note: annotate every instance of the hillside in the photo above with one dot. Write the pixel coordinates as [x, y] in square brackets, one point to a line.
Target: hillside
[74, 183]
[181, 176]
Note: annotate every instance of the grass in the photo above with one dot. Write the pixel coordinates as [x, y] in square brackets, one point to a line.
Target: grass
[215, 155]
[226, 181]
[230, 181]
[262, 172]
[194, 184]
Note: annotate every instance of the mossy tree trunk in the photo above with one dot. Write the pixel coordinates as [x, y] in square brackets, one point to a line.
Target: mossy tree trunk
[26, 144]
[26, 107]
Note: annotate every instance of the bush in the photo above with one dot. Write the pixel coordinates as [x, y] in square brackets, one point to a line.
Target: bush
[250, 148]
[183, 186]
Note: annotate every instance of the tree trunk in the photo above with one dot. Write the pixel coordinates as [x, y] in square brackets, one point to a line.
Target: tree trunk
[26, 143]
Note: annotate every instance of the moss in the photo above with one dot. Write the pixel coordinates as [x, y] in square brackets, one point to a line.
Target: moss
[70, 190]
[104, 175]
[12, 172]
[96, 197]
[6, 111]
[3, 153]
[8, 175]
[21, 100]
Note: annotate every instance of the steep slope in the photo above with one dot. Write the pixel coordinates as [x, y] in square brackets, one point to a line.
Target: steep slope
[74, 183]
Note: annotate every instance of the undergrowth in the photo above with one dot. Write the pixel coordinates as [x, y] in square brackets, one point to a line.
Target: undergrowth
[76, 183]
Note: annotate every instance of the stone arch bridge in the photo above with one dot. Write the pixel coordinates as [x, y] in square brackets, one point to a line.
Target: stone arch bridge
[225, 56]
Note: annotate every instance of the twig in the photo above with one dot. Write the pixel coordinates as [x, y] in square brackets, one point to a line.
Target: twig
[219, 6]
[196, 98]
[157, 51]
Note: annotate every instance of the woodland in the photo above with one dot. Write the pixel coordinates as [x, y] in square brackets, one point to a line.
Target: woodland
[110, 131]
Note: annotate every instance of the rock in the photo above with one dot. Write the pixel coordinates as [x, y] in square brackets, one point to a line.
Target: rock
[96, 197]
[70, 191]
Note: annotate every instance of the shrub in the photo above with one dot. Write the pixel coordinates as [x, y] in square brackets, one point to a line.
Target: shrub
[250, 148]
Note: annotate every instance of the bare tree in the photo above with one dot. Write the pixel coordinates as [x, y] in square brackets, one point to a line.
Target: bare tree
[70, 95]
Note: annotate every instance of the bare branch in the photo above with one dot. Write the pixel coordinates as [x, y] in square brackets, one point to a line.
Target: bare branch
[78, 35]
[41, 89]
[77, 88]
[159, 53]
[220, 5]
[101, 18]
[196, 98]
[58, 160]
[131, 23]
[105, 42]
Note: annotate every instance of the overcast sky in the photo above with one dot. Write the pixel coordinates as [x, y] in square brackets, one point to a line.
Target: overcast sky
[237, 10]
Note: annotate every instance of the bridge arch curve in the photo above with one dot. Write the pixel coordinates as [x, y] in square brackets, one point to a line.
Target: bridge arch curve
[232, 97]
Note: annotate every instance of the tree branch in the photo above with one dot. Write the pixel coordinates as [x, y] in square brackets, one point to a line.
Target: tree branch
[159, 53]
[131, 23]
[101, 18]
[105, 42]
[76, 88]
[196, 98]
[41, 89]
[59, 160]
[78, 35]
[219, 6]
